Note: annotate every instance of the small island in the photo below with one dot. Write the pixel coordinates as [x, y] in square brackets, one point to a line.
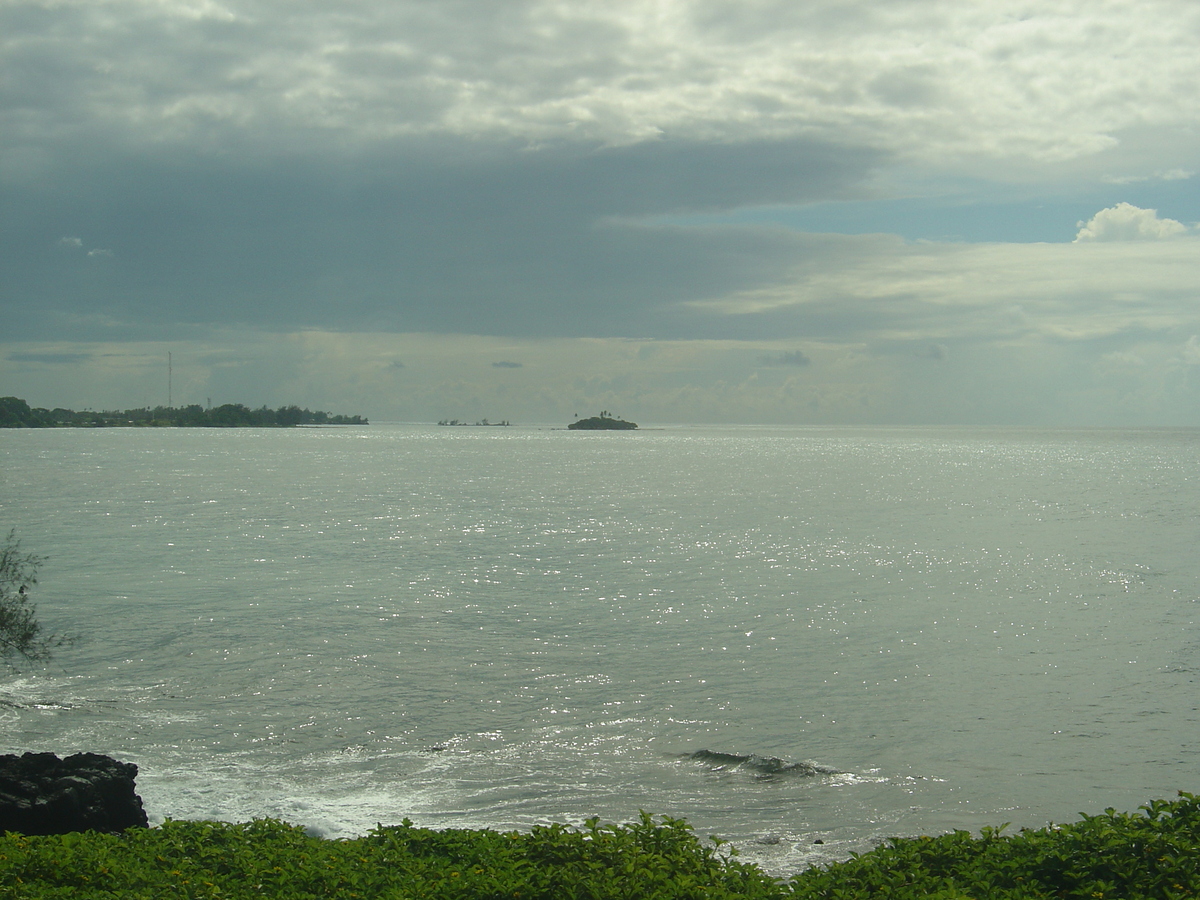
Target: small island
[606, 421]
[16, 413]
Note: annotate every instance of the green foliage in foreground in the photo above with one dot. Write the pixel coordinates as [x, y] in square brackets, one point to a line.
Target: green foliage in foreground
[1153, 854]
[266, 858]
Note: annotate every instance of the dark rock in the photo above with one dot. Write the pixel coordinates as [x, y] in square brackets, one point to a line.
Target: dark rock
[42, 794]
[760, 766]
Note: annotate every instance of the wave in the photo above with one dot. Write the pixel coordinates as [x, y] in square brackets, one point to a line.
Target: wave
[34, 693]
[759, 766]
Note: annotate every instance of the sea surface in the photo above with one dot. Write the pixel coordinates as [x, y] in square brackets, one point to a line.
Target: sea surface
[802, 640]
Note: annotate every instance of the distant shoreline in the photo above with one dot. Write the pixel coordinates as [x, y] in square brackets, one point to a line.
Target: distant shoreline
[16, 413]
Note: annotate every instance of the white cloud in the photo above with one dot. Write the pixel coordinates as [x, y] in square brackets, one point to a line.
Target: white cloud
[1191, 350]
[933, 80]
[1125, 358]
[875, 289]
[1126, 222]
[1169, 175]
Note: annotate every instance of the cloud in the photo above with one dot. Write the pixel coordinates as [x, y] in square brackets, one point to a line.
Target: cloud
[1191, 350]
[789, 358]
[932, 351]
[873, 289]
[455, 239]
[936, 81]
[1170, 175]
[74, 243]
[1125, 222]
[302, 188]
[1125, 358]
[51, 359]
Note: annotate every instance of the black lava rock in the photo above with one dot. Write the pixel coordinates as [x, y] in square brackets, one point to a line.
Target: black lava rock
[42, 794]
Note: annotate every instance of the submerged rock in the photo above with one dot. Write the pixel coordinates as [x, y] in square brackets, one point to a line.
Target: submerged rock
[758, 766]
[42, 794]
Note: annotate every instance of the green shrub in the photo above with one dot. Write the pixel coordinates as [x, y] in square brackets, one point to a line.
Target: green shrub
[266, 858]
[1154, 853]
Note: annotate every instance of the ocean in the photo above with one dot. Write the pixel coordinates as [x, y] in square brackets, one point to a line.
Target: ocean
[802, 640]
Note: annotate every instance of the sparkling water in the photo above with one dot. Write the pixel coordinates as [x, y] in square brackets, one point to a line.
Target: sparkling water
[803, 640]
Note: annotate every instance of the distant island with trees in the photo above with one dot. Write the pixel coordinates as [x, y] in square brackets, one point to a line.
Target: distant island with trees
[16, 413]
[606, 421]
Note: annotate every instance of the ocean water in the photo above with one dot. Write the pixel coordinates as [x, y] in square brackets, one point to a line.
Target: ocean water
[801, 640]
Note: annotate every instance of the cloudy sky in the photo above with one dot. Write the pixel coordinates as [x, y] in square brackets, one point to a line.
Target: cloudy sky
[762, 211]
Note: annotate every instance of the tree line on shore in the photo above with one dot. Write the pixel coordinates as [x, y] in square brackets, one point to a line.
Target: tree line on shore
[16, 413]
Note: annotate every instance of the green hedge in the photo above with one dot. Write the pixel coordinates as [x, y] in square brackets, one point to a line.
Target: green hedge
[266, 858]
[1154, 853]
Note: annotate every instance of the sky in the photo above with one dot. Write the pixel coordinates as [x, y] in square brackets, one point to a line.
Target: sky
[862, 212]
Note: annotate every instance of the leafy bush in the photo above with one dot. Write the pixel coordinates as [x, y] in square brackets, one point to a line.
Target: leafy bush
[1153, 854]
[1102, 857]
[266, 858]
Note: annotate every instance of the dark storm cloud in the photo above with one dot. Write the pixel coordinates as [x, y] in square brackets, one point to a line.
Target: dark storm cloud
[424, 238]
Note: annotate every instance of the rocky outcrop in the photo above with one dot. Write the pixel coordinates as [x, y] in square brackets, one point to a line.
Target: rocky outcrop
[759, 766]
[42, 794]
